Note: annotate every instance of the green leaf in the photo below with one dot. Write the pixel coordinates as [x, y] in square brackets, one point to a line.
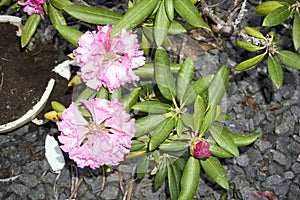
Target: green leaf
[209, 118]
[57, 106]
[275, 71]
[102, 93]
[296, 30]
[248, 47]
[147, 124]
[29, 28]
[224, 140]
[138, 145]
[56, 16]
[180, 126]
[147, 71]
[243, 139]
[85, 94]
[187, 119]
[169, 6]
[134, 16]
[199, 111]
[142, 166]
[174, 176]
[161, 173]
[152, 107]
[185, 77]
[179, 162]
[70, 34]
[130, 99]
[216, 150]
[161, 25]
[4, 2]
[187, 10]
[92, 15]
[176, 28]
[163, 75]
[253, 32]
[59, 4]
[190, 179]
[250, 62]
[161, 133]
[277, 16]
[291, 2]
[218, 86]
[170, 145]
[267, 7]
[289, 59]
[198, 88]
[215, 170]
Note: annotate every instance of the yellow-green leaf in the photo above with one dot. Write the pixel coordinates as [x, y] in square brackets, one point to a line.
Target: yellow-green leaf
[187, 10]
[218, 86]
[163, 75]
[69, 33]
[250, 62]
[253, 32]
[215, 170]
[190, 179]
[289, 59]
[93, 15]
[135, 16]
[169, 6]
[161, 25]
[248, 47]
[161, 133]
[275, 71]
[147, 124]
[59, 4]
[152, 107]
[277, 16]
[30, 28]
[296, 31]
[56, 16]
[267, 7]
[184, 79]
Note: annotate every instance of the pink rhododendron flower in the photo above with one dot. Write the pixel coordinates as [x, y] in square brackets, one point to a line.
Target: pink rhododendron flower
[199, 148]
[108, 61]
[104, 139]
[33, 6]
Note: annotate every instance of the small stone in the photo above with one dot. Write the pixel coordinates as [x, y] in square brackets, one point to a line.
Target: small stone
[282, 189]
[294, 148]
[37, 193]
[282, 128]
[29, 180]
[286, 92]
[288, 175]
[31, 137]
[243, 160]
[277, 96]
[272, 180]
[254, 156]
[279, 157]
[20, 189]
[274, 168]
[94, 183]
[296, 168]
[294, 192]
[262, 145]
[110, 192]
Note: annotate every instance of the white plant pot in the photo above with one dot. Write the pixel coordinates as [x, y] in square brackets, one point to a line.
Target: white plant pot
[38, 107]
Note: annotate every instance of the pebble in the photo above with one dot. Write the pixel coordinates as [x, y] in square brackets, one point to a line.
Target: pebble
[296, 168]
[288, 175]
[279, 157]
[20, 190]
[272, 180]
[243, 160]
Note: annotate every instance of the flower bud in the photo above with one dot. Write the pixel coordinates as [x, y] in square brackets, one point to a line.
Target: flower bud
[199, 148]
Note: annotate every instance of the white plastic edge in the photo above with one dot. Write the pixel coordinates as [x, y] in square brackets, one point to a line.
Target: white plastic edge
[32, 113]
[54, 154]
[14, 21]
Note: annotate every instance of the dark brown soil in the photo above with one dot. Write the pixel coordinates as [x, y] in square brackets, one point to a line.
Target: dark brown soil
[24, 75]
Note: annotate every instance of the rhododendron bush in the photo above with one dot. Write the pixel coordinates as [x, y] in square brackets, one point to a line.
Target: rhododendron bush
[141, 105]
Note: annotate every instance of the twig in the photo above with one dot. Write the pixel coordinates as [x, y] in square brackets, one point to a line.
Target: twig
[74, 179]
[3, 180]
[103, 178]
[76, 188]
[121, 176]
[130, 189]
[2, 80]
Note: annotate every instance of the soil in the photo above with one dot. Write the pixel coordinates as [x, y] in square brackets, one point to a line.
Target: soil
[24, 75]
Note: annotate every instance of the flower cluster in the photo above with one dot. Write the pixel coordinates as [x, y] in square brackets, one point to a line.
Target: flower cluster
[102, 140]
[199, 148]
[108, 61]
[33, 6]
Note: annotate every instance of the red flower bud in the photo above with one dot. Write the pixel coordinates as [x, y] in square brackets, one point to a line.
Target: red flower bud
[199, 148]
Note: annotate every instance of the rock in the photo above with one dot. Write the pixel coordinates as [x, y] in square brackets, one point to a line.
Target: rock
[288, 175]
[95, 183]
[243, 160]
[20, 190]
[296, 168]
[272, 180]
[110, 192]
[262, 145]
[254, 156]
[37, 193]
[29, 180]
[294, 192]
[282, 189]
[279, 157]
[286, 92]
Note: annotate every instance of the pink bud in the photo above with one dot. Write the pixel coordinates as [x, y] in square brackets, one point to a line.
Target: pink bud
[199, 148]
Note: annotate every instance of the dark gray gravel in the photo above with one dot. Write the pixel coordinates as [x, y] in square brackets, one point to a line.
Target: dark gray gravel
[272, 163]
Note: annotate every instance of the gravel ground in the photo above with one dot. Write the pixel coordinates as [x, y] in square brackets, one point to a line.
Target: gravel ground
[272, 163]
